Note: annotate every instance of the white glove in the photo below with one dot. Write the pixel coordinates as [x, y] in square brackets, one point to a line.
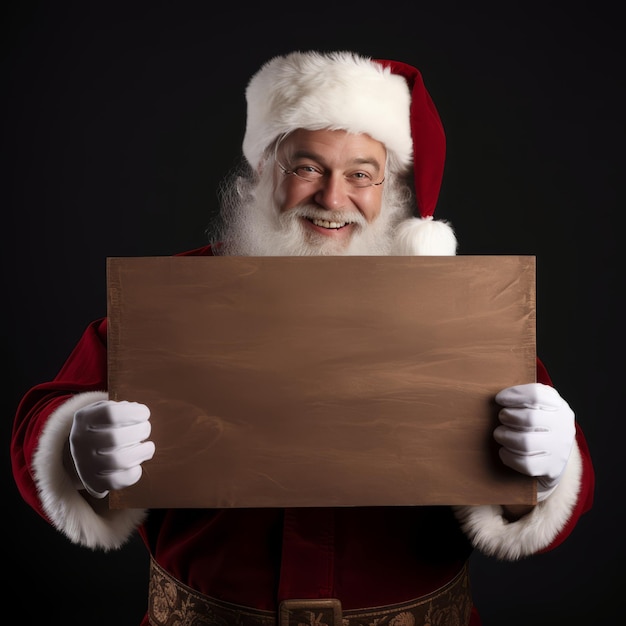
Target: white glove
[108, 445]
[537, 433]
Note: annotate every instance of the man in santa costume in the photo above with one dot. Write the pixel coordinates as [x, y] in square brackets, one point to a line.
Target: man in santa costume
[343, 155]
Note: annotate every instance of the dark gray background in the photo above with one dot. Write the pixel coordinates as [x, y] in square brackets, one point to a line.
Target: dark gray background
[119, 121]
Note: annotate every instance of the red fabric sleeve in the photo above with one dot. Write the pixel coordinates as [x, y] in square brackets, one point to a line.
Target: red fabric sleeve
[585, 495]
[84, 370]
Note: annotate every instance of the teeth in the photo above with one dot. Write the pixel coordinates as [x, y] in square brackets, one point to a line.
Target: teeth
[327, 224]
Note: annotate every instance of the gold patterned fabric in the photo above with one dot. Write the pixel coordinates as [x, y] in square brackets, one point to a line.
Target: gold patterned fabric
[172, 603]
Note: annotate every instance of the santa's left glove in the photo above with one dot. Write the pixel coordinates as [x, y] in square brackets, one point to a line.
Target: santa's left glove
[108, 443]
[537, 433]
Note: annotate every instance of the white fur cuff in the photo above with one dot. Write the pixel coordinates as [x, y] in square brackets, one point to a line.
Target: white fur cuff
[66, 508]
[493, 535]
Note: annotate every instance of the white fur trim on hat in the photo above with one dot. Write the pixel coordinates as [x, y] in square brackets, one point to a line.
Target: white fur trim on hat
[64, 505]
[339, 90]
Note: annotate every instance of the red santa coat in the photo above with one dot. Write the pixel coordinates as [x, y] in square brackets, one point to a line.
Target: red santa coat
[257, 557]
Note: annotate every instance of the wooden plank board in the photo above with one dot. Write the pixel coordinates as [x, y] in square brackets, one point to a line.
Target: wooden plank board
[321, 381]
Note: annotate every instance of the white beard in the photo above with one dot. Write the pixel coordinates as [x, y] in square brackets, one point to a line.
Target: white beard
[254, 226]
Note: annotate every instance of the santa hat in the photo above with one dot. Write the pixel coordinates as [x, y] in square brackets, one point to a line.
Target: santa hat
[384, 99]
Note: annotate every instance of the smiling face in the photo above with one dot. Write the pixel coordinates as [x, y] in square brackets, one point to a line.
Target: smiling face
[323, 192]
[331, 182]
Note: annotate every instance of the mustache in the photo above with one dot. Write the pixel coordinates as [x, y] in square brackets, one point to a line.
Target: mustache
[309, 211]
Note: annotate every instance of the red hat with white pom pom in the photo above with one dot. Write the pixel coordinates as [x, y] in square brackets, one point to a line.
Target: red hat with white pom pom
[385, 99]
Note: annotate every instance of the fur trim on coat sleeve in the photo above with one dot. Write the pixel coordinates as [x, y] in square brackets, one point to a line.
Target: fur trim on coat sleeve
[494, 536]
[64, 505]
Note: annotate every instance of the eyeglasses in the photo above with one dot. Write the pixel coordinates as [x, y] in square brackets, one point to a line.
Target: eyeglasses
[313, 174]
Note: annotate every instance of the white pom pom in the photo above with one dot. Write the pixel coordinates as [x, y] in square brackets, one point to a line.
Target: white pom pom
[424, 237]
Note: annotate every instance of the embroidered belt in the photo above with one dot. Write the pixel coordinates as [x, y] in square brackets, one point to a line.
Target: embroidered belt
[172, 603]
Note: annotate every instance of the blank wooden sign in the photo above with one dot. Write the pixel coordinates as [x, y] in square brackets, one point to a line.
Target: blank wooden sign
[321, 381]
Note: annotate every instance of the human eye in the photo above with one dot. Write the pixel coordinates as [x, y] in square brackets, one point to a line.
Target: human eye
[360, 177]
[308, 171]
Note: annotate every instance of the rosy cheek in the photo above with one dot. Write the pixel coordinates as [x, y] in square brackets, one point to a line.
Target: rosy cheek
[289, 196]
[371, 208]
[373, 215]
[280, 197]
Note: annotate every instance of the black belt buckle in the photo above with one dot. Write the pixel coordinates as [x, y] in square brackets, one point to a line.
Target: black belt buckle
[323, 612]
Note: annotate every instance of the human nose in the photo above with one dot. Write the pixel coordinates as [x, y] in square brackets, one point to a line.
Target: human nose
[333, 192]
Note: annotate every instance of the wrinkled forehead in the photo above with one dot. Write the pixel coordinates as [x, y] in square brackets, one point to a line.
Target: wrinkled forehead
[331, 146]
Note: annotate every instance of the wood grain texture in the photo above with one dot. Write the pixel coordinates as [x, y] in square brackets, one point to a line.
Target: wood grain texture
[321, 381]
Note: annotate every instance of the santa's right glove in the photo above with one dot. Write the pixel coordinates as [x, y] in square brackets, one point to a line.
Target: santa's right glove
[108, 444]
